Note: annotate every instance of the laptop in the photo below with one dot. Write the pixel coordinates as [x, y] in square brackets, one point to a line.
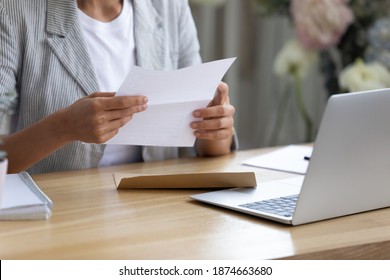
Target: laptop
[348, 172]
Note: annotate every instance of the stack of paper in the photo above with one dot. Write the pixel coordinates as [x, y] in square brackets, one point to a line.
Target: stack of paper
[23, 200]
[293, 159]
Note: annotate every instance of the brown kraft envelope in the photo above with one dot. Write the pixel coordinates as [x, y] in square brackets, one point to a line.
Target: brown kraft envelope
[185, 180]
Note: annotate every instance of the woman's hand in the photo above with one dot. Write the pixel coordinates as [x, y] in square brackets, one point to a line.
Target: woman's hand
[92, 119]
[215, 131]
[99, 116]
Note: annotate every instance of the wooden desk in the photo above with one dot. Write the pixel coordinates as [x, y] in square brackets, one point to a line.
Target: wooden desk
[92, 220]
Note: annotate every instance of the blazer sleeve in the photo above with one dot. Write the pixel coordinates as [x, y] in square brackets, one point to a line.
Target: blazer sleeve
[9, 52]
[189, 48]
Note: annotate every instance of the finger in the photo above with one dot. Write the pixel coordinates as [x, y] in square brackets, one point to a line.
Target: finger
[213, 124]
[222, 95]
[101, 94]
[103, 138]
[215, 112]
[219, 134]
[109, 129]
[118, 123]
[123, 102]
[124, 113]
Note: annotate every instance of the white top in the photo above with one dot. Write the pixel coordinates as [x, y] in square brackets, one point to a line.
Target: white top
[112, 49]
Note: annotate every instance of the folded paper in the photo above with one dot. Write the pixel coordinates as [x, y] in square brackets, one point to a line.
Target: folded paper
[185, 180]
[24, 200]
[173, 96]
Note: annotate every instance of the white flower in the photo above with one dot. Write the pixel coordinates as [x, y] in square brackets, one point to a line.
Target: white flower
[293, 59]
[360, 76]
[321, 23]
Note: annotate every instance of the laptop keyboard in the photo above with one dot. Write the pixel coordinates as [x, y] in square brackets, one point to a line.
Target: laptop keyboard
[282, 206]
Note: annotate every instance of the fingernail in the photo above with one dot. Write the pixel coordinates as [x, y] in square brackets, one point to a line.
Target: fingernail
[145, 99]
[196, 114]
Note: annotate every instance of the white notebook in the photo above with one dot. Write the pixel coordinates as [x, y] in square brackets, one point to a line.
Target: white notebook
[23, 199]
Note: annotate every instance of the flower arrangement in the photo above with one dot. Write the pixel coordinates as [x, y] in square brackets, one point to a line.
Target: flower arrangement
[344, 33]
[349, 38]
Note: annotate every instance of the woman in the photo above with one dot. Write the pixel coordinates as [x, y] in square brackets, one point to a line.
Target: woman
[67, 58]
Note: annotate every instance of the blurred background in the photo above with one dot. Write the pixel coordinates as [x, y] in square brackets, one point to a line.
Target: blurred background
[291, 56]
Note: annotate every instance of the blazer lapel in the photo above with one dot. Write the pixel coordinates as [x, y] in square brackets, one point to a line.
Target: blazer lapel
[68, 44]
[149, 35]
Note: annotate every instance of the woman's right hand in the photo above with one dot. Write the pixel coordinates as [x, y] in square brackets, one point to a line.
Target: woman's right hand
[99, 116]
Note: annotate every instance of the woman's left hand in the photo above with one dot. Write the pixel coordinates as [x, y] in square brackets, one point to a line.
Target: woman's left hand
[215, 131]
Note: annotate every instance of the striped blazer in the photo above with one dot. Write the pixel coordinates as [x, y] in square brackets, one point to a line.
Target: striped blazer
[43, 55]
